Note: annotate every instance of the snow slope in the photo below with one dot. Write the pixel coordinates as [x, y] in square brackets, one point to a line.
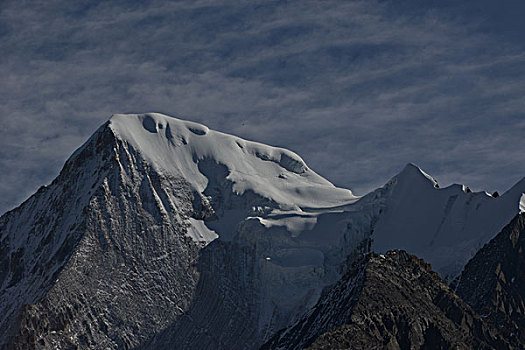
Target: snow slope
[176, 147]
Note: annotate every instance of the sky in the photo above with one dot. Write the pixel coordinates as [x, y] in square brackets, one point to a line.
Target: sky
[357, 88]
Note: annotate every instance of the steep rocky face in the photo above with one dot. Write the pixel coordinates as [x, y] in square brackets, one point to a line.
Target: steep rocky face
[125, 268]
[224, 311]
[493, 282]
[392, 301]
[38, 238]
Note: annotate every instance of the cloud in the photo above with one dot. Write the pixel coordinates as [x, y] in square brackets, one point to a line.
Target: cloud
[357, 88]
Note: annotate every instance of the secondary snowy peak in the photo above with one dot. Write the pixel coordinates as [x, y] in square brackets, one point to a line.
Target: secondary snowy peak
[445, 226]
[414, 176]
[196, 153]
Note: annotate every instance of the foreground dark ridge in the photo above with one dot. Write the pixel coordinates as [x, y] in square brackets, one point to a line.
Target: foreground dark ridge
[391, 301]
[493, 282]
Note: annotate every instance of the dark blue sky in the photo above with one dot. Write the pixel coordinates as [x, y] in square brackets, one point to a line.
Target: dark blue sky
[357, 88]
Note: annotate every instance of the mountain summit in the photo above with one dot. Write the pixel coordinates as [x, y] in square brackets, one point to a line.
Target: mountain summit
[158, 227]
[445, 226]
[181, 148]
[160, 231]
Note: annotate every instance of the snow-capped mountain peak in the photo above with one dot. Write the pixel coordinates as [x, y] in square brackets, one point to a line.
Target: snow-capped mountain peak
[139, 204]
[445, 226]
[414, 175]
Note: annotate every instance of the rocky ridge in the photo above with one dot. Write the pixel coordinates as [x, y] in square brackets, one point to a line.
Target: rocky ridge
[493, 282]
[391, 301]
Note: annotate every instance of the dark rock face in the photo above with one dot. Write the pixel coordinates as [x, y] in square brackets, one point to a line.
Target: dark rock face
[124, 267]
[393, 301]
[223, 312]
[493, 282]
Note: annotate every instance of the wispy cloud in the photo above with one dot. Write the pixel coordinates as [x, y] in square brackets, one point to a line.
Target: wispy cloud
[358, 88]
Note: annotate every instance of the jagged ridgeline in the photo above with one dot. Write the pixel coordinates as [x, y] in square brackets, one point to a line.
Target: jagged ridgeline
[161, 233]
